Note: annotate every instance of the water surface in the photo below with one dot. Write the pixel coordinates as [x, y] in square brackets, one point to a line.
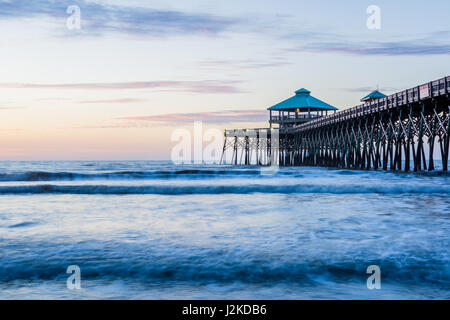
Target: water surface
[153, 230]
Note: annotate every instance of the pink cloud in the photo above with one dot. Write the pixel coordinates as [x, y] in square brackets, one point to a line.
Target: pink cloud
[11, 108]
[211, 117]
[204, 86]
[218, 117]
[123, 100]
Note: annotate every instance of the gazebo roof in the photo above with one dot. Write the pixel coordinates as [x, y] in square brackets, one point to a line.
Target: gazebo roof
[301, 100]
[373, 95]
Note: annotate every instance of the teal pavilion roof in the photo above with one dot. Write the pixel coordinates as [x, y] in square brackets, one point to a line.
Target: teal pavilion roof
[373, 95]
[302, 100]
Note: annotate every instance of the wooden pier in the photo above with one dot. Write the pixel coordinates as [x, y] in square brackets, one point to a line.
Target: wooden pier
[398, 132]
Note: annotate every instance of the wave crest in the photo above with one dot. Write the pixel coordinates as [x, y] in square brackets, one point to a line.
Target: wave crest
[225, 189]
[118, 175]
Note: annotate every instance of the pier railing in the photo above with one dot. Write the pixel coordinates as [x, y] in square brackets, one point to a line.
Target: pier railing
[246, 132]
[295, 117]
[423, 92]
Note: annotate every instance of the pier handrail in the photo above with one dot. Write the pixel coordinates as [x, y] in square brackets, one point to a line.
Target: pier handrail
[244, 132]
[295, 117]
[425, 91]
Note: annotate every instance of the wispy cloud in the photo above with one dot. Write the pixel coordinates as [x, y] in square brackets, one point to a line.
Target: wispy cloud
[245, 63]
[208, 117]
[54, 99]
[113, 101]
[434, 43]
[170, 119]
[11, 108]
[205, 86]
[405, 48]
[99, 18]
[367, 89]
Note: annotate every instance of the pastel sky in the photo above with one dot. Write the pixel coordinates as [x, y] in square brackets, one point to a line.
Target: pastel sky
[137, 70]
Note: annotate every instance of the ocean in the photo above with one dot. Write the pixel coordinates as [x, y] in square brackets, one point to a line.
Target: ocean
[155, 230]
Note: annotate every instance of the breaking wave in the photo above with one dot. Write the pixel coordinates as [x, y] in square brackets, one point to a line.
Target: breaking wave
[226, 189]
[252, 172]
[118, 175]
[192, 264]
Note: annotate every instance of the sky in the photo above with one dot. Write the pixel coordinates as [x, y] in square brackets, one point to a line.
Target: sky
[136, 71]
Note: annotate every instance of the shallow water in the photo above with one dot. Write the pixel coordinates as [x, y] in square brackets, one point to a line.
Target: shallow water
[155, 230]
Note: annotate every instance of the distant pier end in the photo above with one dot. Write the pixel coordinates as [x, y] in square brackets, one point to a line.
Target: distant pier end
[396, 132]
